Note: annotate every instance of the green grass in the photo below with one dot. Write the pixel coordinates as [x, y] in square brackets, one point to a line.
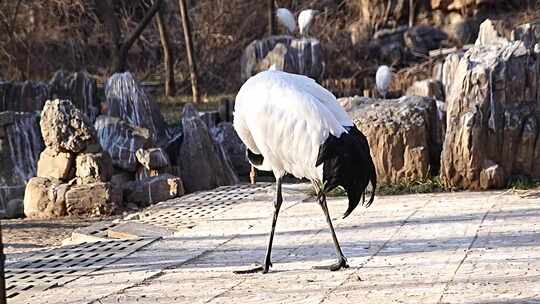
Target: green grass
[522, 182]
[171, 107]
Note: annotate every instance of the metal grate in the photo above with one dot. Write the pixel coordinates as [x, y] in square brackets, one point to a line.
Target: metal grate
[187, 210]
[56, 267]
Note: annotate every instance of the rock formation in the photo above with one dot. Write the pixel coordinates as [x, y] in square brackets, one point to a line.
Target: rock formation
[402, 135]
[300, 56]
[25, 96]
[127, 101]
[73, 171]
[80, 88]
[492, 116]
[20, 145]
[226, 136]
[203, 163]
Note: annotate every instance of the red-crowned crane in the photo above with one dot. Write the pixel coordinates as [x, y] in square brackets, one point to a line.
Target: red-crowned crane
[286, 18]
[305, 18]
[290, 124]
[383, 78]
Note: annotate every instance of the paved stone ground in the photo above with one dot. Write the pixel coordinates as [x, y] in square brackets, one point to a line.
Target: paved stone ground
[432, 248]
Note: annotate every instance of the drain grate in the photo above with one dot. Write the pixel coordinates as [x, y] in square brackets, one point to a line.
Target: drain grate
[185, 211]
[56, 267]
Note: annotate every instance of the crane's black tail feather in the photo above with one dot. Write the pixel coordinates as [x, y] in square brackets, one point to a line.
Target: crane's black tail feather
[347, 162]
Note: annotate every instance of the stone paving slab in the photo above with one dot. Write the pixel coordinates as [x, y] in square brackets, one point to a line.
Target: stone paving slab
[431, 248]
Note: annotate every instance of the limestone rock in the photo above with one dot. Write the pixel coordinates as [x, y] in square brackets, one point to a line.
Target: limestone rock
[235, 149]
[127, 100]
[80, 88]
[44, 198]
[20, 146]
[300, 56]
[93, 167]
[64, 127]
[202, 161]
[95, 199]
[56, 164]
[401, 134]
[155, 189]
[154, 158]
[122, 140]
[491, 32]
[492, 117]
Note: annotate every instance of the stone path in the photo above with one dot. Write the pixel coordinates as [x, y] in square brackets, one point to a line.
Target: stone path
[432, 248]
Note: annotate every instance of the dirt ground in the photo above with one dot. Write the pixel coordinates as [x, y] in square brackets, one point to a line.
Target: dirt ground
[24, 235]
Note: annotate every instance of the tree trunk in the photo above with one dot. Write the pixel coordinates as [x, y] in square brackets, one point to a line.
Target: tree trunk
[189, 49]
[271, 17]
[119, 48]
[168, 60]
[411, 13]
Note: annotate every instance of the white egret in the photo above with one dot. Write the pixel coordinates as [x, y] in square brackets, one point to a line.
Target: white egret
[383, 78]
[305, 18]
[290, 124]
[286, 18]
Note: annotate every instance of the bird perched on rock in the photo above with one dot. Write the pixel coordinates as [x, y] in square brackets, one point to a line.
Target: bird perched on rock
[305, 18]
[383, 78]
[290, 124]
[286, 18]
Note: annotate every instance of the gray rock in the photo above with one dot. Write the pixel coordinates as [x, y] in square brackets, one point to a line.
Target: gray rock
[235, 149]
[300, 56]
[80, 88]
[127, 100]
[65, 128]
[202, 161]
[122, 140]
[421, 39]
[154, 158]
[25, 96]
[20, 146]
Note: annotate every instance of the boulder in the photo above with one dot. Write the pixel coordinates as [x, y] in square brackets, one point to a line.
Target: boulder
[20, 146]
[402, 135]
[422, 38]
[96, 199]
[203, 162]
[56, 164]
[120, 179]
[226, 136]
[286, 53]
[64, 127]
[127, 100]
[492, 117]
[529, 33]
[152, 190]
[154, 158]
[45, 198]
[122, 140]
[80, 88]
[25, 96]
[93, 167]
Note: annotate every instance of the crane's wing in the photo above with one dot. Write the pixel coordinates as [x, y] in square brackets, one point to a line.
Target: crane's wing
[286, 118]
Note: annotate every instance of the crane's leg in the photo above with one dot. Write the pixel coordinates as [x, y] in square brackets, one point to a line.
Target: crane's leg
[342, 261]
[252, 175]
[267, 261]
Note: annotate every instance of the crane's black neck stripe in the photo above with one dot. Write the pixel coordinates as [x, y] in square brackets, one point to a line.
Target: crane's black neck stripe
[254, 159]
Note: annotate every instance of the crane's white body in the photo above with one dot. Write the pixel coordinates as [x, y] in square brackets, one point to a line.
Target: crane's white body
[286, 18]
[383, 78]
[286, 118]
[305, 18]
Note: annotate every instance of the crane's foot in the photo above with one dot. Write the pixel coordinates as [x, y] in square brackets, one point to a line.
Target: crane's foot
[341, 263]
[259, 268]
